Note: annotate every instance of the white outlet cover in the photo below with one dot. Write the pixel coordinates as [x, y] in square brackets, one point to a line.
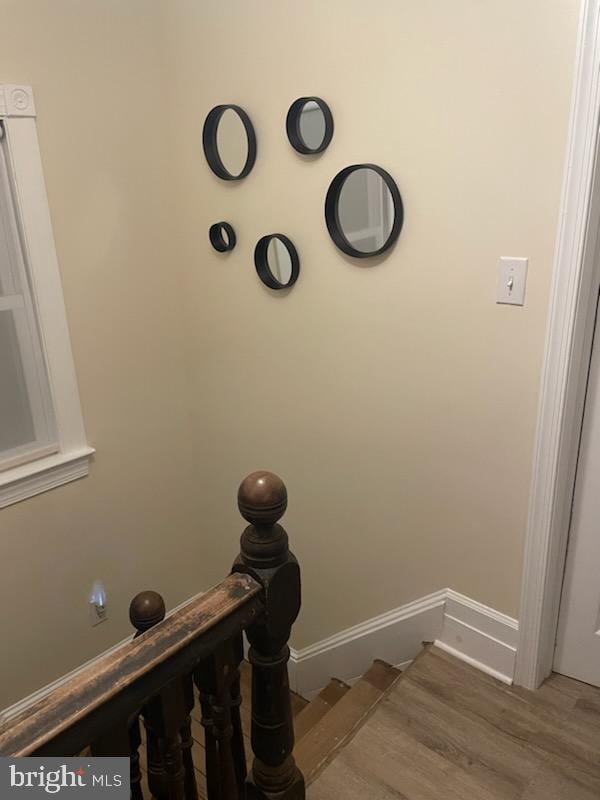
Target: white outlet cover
[512, 277]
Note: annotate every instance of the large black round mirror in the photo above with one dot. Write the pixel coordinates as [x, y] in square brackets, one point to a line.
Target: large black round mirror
[363, 210]
[276, 261]
[229, 142]
[309, 125]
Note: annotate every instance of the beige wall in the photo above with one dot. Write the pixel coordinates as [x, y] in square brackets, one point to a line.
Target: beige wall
[99, 77]
[396, 399]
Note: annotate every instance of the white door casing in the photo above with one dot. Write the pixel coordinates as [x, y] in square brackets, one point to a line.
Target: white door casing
[576, 277]
[578, 642]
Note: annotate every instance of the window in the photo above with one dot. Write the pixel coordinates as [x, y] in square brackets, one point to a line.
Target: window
[27, 429]
[42, 440]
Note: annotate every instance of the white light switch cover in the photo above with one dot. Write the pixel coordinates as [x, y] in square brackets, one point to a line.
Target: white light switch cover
[512, 277]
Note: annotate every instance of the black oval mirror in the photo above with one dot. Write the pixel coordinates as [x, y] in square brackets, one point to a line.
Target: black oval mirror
[363, 210]
[222, 236]
[276, 261]
[309, 125]
[229, 142]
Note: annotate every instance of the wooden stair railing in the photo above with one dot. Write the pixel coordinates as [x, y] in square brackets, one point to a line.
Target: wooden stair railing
[151, 679]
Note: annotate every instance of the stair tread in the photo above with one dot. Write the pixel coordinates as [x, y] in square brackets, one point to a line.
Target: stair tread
[320, 744]
[319, 706]
[381, 675]
[334, 691]
[447, 730]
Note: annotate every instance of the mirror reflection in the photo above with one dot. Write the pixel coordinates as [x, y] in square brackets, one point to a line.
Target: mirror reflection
[312, 125]
[309, 125]
[363, 210]
[232, 142]
[366, 210]
[279, 261]
[276, 261]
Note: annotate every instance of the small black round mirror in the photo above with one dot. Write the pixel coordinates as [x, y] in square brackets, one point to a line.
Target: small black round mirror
[363, 210]
[309, 125]
[276, 260]
[222, 236]
[229, 142]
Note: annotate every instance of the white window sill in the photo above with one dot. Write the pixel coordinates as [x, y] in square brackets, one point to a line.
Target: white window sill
[39, 476]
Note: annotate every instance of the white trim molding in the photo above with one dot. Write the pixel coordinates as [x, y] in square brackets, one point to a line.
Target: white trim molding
[565, 370]
[479, 635]
[16, 101]
[43, 474]
[395, 637]
[472, 632]
[469, 630]
[17, 113]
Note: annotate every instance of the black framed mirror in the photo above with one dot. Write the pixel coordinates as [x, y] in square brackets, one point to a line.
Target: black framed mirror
[222, 236]
[363, 210]
[229, 142]
[276, 261]
[309, 125]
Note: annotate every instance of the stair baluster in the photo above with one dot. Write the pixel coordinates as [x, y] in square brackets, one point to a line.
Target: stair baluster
[215, 678]
[237, 742]
[135, 772]
[187, 741]
[146, 610]
[205, 680]
[265, 555]
[166, 716]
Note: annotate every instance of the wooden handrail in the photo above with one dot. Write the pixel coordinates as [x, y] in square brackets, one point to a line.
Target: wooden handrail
[70, 717]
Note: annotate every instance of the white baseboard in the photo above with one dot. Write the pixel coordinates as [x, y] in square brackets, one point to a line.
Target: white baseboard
[395, 637]
[479, 635]
[472, 632]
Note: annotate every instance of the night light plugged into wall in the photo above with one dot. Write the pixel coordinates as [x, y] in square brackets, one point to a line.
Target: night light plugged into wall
[97, 603]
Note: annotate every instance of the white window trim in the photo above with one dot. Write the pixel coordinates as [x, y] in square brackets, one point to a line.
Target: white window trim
[17, 112]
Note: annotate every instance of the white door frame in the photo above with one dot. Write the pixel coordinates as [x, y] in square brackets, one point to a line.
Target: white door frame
[575, 285]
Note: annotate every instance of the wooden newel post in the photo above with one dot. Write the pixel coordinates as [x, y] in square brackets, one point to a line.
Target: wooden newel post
[265, 555]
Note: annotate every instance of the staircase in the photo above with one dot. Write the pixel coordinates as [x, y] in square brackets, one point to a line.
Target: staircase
[197, 721]
[328, 723]
[321, 727]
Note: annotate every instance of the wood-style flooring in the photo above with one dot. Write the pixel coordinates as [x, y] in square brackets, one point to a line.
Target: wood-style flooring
[298, 704]
[449, 732]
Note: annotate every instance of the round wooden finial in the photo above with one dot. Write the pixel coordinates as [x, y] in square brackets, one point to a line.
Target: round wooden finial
[146, 610]
[262, 498]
